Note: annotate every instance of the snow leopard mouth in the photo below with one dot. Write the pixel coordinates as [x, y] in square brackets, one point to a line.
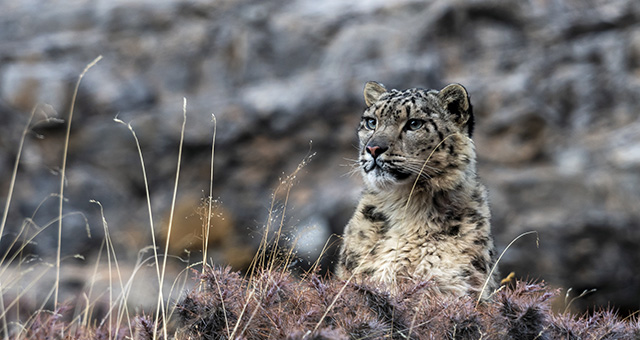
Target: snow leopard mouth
[368, 166]
[382, 169]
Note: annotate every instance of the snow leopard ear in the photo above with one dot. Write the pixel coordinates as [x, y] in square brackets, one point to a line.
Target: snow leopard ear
[372, 92]
[455, 100]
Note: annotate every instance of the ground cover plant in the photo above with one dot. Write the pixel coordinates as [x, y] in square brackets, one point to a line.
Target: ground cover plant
[268, 301]
[276, 305]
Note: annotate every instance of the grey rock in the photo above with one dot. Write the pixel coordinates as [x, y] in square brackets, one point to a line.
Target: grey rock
[555, 87]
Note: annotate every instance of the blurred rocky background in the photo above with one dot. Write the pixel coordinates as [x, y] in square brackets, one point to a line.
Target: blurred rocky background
[555, 86]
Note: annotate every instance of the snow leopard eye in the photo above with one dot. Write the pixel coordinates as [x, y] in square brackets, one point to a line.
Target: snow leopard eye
[370, 123]
[414, 124]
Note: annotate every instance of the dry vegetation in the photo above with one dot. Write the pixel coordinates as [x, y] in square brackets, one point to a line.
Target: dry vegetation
[276, 305]
[270, 302]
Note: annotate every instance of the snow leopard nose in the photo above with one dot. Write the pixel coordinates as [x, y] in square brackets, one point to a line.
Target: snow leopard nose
[376, 150]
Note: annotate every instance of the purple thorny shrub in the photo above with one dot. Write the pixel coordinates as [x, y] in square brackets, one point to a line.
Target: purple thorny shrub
[276, 305]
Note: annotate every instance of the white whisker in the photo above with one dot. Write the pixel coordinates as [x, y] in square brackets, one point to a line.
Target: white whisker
[417, 171]
[422, 164]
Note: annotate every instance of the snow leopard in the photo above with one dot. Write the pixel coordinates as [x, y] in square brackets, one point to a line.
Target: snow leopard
[423, 214]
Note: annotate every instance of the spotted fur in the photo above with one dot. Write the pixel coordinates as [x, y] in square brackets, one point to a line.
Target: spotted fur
[423, 212]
